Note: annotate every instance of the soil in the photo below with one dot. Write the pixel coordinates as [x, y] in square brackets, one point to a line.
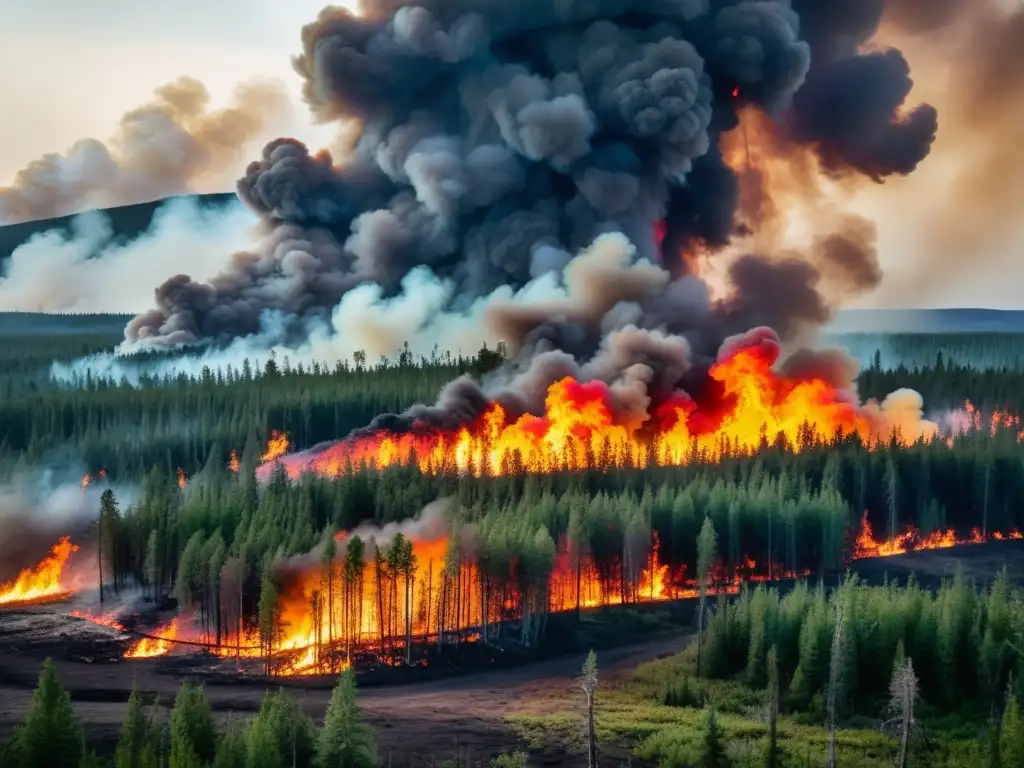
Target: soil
[460, 718]
[420, 723]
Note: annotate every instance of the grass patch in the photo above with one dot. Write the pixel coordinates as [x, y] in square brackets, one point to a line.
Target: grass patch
[633, 716]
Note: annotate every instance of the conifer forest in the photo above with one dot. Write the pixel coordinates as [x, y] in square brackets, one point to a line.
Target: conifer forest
[577, 383]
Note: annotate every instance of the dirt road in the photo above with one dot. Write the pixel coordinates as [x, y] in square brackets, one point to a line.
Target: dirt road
[417, 723]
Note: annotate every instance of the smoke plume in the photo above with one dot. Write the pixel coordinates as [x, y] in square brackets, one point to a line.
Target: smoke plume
[497, 141]
[160, 148]
[972, 64]
[89, 269]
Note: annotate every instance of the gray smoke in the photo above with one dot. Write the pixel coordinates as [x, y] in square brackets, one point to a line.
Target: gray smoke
[159, 149]
[496, 140]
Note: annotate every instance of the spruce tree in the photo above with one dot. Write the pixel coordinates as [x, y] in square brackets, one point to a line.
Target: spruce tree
[51, 736]
[712, 746]
[134, 749]
[193, 733]
[345, 741]
[1011, 740]
[231, 751]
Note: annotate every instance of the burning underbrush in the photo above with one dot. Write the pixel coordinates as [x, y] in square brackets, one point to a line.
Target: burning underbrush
[414, 603]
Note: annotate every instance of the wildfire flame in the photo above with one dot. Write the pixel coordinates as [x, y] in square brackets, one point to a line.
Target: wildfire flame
[149, 647]
[233, 463]
[182, 480]
[910, 540]
[277, 447]
[44, 580]
[579, 429]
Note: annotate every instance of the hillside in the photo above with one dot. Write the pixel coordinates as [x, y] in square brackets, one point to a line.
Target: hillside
[127, 221]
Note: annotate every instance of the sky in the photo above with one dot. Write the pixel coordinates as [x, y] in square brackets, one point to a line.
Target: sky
[78, 66]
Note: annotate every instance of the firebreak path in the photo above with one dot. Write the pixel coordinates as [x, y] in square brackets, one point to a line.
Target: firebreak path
[460, 716]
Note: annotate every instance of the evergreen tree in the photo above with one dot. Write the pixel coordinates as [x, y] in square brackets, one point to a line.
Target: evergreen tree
[193, 733]
[51, 736]
[712, 746]
[1011, 739]
[134, 749]
[345, 741]
[231, 751]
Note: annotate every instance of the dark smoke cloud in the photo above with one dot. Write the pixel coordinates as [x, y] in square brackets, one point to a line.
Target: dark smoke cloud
[160, 149]
[496, 139]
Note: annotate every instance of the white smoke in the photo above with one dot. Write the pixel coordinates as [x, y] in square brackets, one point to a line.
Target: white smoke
[420, 315]
[91, 271]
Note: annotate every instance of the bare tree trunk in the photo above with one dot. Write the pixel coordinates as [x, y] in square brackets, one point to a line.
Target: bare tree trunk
[588, 685]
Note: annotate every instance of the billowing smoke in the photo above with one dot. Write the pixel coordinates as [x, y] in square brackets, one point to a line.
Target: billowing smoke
[499, 140]
[37, 508]
[160, 148]
[972, 63]
[89, 269]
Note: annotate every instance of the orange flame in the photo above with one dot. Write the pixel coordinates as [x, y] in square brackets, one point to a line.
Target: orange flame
[182, 480]
[149, 647]
[42, 581]
[579, 429]
[233, 463]
[277, 447]
[910, 540]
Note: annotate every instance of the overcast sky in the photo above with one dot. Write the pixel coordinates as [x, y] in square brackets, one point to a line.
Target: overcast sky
[71, 68]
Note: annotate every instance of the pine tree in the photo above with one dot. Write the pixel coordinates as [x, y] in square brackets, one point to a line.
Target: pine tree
[193, 733]
[771, 753]
[134, 749]
[706, 550]
[231, 751]
[51, 736]
[712, 748]
[1011, 739]
[345, 741]
[588, 686]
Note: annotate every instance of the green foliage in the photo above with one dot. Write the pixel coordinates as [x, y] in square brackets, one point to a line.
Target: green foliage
[511, 760]
[51, 736]
[712, 747]
[232, 749]
[281, 734]
[136, 747]
[193, 733]
[345, 741]
[1011, 740]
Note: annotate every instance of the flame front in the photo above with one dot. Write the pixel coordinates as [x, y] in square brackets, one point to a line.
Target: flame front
[911, 540]
[44, 580]
[580, 431]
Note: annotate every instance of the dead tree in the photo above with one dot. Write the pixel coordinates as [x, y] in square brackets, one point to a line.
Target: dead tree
[772, 750]
[834, 681]
[588, 685]
[903, 696]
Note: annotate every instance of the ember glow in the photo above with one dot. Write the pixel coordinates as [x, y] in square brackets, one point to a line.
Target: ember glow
[43, 581]
[103, 621]
[579, 428]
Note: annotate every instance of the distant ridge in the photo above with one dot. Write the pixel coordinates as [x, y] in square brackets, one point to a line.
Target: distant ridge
[963, 320]
[127, 221]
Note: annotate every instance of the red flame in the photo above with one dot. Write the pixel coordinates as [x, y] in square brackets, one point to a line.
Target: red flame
[911, 540]
[580, 429]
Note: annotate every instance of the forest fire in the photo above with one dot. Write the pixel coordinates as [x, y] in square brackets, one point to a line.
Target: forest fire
[430, 592]
[277, 446]
[580, 428]
[911, 540]
[103, 621]
[42, 582]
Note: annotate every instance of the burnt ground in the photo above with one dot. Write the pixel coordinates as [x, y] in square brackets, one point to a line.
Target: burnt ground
[460, 717]
[457, 718]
